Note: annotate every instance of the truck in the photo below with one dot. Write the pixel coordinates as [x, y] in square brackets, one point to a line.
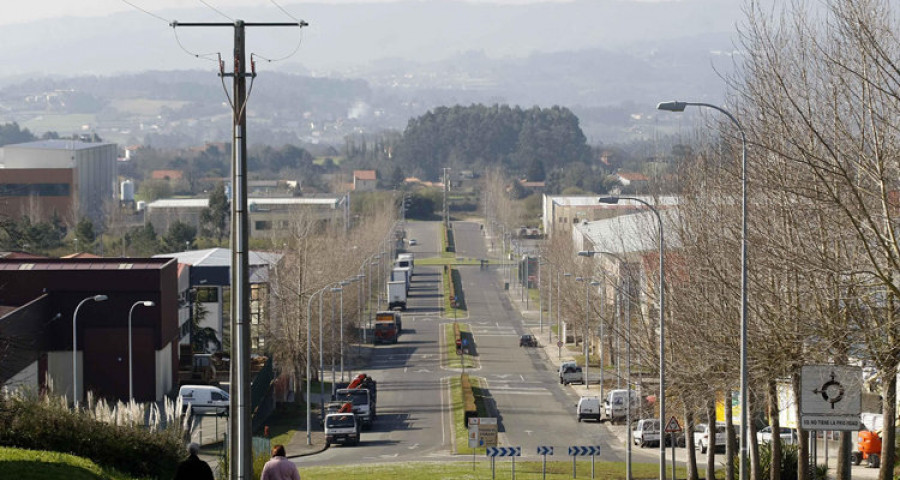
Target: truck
[342, 426]
[406, 260]
[399, 274]
[387, 327]
[362, 394]
[396, 292]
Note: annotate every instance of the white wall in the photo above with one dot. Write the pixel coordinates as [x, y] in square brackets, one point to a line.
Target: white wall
[163, 371]
[59, 369]
[27, 380]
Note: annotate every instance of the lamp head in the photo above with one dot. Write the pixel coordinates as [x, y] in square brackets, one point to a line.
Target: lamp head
[672, 106]
[608, 200]
[595, 283]
[567, 274]
[100, 298]
[586, 253]
[148, 303]
[337, 289]
[579, 279]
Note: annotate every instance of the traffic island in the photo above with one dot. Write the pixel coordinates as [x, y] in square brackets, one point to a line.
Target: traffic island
[469, 398]
[454, 297]
[460, 350]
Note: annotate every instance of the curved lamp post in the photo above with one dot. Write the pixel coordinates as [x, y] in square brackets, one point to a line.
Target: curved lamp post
[96, 298]
[662, 336]
[145, 303]
[679, 107]
[588, 282]
[308, 382]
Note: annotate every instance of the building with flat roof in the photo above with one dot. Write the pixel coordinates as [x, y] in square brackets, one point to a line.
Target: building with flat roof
[69, 178]
[268, 216]
[38, 299]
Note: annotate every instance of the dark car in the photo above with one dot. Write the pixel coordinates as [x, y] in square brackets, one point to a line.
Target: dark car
[528, 341]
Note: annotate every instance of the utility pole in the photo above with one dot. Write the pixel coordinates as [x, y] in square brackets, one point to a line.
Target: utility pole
[446, 208]
[240, 458]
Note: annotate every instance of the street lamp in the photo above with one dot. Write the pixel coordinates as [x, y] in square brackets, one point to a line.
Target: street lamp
[343, 283]
[560, 334]
[662, 336]
[586, 331]
[308, 359]
[679, 107]
[146, 303]
[96, 298]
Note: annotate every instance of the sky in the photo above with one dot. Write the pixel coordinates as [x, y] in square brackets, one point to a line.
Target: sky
[26, 11]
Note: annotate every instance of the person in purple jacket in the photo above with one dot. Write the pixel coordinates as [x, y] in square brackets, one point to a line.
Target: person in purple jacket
[279, 467]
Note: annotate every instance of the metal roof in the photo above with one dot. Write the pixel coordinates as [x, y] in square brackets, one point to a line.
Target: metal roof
[220, 257]
[58, 145]
[632, 233]
[83, 263]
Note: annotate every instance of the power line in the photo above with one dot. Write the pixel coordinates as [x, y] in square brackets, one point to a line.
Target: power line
[215, 9]
[299, 35]
[145, 11]
[202, 56]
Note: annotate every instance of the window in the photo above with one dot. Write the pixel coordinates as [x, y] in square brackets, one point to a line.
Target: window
[263, 225]
[34, 189]
[207, 294]
[217, 396]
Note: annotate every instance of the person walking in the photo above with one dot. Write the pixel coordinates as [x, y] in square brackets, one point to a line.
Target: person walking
[193, 468]
[279, 467]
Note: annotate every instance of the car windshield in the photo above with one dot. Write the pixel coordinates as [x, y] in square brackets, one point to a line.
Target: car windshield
[339, 421]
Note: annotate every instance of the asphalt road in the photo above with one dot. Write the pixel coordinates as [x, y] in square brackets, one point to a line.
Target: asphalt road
[411, 422]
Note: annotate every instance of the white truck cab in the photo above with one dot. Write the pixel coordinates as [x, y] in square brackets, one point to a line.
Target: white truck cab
[204, 398]
[342, 427]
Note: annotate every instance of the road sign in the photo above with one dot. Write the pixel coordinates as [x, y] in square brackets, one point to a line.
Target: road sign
[559, 344]
[583, 451]
[542, 450]
[504, 451]
[673, 426]
[830, 397]
[482, 432]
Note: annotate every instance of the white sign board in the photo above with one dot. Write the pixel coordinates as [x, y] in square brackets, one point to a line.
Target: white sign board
[830, 397]
[482, 432]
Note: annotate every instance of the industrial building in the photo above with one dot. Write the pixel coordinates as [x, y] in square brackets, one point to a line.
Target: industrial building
[43, 301]
[68, 178]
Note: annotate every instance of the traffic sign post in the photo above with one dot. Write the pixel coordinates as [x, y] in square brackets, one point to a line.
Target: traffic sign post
[513, 452]
[672, 427]
[583, 451]
[543, 451]
[830, 397]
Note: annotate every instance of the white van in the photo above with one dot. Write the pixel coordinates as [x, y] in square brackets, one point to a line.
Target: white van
[615, 406]
[204, 398]
[588, 407]
[646, 432]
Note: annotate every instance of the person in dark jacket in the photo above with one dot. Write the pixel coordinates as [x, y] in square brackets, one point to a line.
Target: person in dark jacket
[193, 468]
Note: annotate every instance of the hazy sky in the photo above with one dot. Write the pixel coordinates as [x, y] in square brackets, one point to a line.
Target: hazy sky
[25, 11]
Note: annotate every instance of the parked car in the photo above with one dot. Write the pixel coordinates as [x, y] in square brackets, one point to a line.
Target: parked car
[788, 435]
[646, 432]
[413, 242]
[565, 366]
[528, 341]
[204, 399]
[706, 436]
[572, 374]
[588, 407]
[616, 404]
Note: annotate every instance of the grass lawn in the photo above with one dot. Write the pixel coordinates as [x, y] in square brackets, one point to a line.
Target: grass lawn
[451, 359]
[559, 469]
[41, 465]
[288, 419]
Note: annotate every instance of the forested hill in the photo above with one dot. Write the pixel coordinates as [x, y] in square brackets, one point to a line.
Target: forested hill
[527, 142]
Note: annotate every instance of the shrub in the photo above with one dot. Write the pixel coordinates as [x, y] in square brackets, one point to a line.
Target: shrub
[140, 451]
